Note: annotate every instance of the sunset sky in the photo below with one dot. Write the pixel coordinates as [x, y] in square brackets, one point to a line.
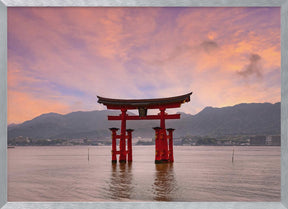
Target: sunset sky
[59, 59]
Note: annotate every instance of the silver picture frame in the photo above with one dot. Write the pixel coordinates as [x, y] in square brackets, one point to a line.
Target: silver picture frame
[283, 4]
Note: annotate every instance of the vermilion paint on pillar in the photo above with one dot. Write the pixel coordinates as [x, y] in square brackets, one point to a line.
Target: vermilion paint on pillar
[129, 144]
[157, 145]
[113, 151]
[171, 156]
[122, 158]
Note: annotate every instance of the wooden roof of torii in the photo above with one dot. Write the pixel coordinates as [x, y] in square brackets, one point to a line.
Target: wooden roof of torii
[169, 102]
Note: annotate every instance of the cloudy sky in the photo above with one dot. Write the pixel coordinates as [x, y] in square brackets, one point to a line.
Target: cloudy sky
[59, 59]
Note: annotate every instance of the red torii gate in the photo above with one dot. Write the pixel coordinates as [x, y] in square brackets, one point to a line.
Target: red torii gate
[163, 152]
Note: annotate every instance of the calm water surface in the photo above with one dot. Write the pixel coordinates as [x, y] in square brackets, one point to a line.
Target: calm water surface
[198, 174]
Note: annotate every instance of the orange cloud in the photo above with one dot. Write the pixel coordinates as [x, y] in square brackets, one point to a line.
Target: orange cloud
[67, 56]
[22, 106]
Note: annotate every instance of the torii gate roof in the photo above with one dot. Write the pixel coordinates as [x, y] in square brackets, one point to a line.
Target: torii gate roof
[169, 102]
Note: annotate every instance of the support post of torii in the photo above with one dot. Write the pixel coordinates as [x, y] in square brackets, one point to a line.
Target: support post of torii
[170, 137]
[129, 144]
[158, 149]
[113, 151]
[122, 158]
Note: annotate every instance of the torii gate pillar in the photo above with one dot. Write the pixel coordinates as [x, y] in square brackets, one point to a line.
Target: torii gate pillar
[122, 158]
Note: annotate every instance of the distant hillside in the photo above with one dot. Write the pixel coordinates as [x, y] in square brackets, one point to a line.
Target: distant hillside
[254, 118]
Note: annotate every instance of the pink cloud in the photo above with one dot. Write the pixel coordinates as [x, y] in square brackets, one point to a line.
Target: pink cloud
[73, 54]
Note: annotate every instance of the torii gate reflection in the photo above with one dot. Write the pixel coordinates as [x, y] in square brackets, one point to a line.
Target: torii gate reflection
[163, 151]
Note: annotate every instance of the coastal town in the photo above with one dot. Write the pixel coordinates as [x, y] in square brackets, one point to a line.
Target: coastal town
[238, 140]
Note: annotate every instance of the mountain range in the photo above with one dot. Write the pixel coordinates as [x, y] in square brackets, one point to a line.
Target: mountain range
[241, 119]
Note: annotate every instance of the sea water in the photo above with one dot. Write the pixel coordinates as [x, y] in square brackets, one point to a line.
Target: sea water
[199, 173]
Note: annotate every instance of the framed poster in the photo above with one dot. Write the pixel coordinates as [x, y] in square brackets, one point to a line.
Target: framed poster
[62, 30]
